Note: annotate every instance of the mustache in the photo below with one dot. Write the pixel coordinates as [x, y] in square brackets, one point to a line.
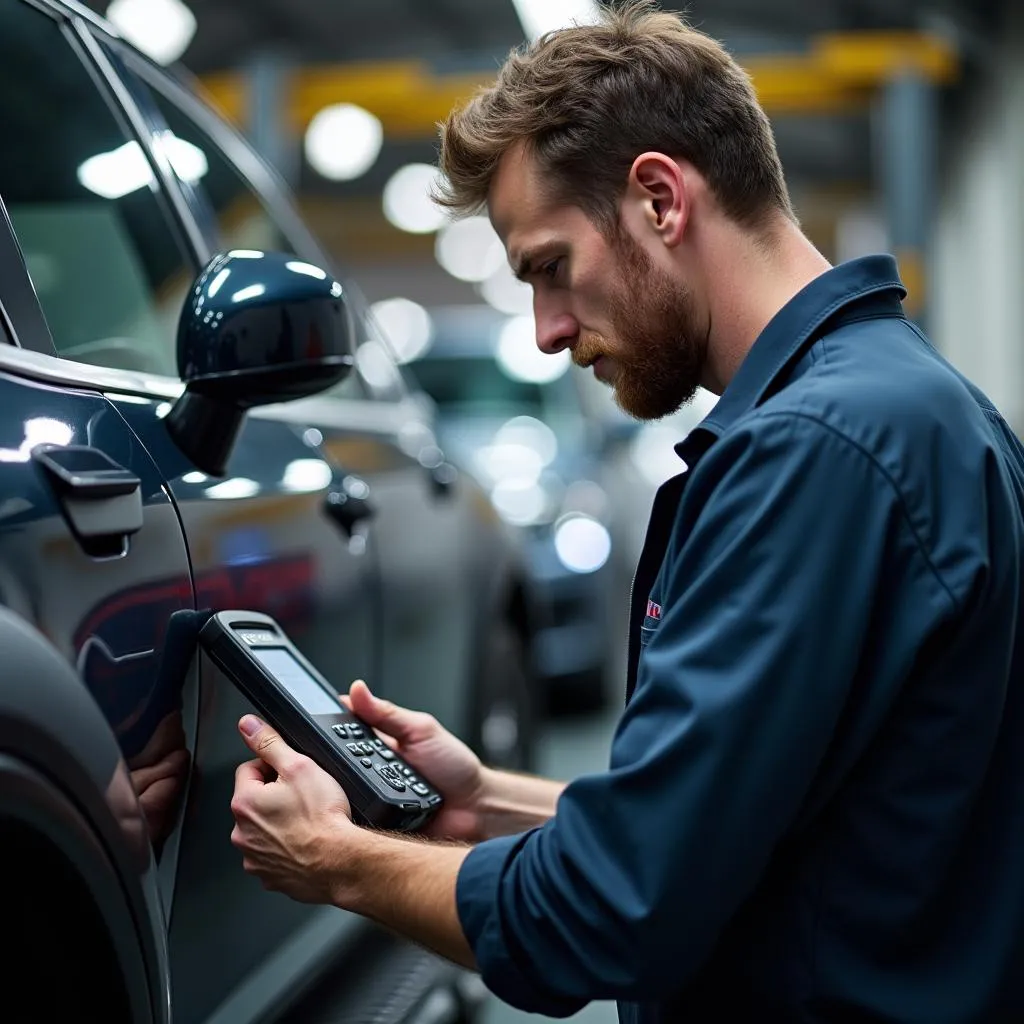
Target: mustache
[587, 350]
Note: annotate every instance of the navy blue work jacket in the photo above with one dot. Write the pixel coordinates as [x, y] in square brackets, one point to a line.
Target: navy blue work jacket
[814, 808]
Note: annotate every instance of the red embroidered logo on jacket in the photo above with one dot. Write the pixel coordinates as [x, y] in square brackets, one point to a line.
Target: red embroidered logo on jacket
[653, 610]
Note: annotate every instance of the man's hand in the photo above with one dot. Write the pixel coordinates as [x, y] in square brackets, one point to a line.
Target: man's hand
[420, 740]
[294, 828]
[292, 820]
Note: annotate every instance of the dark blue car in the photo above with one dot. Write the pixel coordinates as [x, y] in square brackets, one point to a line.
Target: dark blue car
[184, 428]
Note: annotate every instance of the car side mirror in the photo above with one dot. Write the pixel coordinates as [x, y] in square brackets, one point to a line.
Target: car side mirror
[257, 328]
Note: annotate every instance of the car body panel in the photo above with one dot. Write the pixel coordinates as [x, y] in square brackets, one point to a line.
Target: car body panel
[256, 541]
[114, 626]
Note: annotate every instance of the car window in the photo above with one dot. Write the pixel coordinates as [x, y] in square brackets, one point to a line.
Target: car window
[106, 262]
[244, 218]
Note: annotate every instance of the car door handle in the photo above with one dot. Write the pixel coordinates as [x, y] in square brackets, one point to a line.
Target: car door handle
[348, 503]
[101, 500]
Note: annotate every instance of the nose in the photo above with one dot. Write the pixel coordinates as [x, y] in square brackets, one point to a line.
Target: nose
[556, 329]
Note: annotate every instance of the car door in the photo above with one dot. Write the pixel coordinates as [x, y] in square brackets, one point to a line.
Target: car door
[101, 570]
[269, 536]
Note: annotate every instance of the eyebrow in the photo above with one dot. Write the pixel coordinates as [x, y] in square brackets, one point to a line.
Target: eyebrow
[523, 265]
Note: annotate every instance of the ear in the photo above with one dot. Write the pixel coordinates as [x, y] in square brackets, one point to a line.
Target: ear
[657, 183]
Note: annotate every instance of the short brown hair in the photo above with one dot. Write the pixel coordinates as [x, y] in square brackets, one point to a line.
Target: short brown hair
[588, 100]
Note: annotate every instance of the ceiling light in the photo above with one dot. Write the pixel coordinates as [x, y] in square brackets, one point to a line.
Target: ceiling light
[234, 488]
[115, 174]
[252, 291]
[375, 366]
[218, 282]
[537, 436]
[515, 462]
[469, 249]
[653, 452]
[38, 431]
[506, 293]
[582, 544]
[406, 325]
[307, 269]
[519, 502]
[161, 29]
[343, 141]
[188, 161]
[407, 199]
[303, 476]
[540, 16]
[125, 169]
[520, 358]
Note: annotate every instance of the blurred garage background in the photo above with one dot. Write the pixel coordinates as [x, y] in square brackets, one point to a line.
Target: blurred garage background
[901, 128]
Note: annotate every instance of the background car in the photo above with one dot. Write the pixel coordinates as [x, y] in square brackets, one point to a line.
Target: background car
[515, 417]
[137, 494]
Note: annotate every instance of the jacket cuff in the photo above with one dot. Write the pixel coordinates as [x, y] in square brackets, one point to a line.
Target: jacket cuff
[481, 890]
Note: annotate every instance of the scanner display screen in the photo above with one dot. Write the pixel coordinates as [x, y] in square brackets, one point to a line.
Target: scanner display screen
[296, 680]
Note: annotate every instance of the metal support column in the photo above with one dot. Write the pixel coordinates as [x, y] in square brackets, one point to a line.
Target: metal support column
[907, 155]
[268, 80]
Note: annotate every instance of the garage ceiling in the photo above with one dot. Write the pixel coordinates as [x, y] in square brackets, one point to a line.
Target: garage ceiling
[477, 33]
[827, 156]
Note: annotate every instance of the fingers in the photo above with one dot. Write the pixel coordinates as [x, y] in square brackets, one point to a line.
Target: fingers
[251, 773]
[404, 725]
[265, 742]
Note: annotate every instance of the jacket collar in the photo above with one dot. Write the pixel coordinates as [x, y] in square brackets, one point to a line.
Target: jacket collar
[865, 287]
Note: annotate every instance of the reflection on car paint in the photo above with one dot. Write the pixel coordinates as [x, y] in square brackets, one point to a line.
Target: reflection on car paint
[140, 694]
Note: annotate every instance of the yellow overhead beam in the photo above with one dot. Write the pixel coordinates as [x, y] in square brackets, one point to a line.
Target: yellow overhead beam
[838, 72]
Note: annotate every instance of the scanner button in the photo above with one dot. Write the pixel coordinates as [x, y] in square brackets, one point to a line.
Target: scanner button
[339, 730]
[419, 789]
[391, 777]
[354, 729]
[387, 754]
[366, 762]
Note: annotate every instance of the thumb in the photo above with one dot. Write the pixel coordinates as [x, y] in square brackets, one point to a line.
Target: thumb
[404, 725]
[266, 743]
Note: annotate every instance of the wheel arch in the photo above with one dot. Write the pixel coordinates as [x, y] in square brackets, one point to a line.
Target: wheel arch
[63, 780]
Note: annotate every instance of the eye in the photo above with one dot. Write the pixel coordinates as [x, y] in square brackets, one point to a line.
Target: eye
[550, 269]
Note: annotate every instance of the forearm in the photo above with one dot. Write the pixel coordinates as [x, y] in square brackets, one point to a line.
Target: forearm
[408, 886]
[512, 803]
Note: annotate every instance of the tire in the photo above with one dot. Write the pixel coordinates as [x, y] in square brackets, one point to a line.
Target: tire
[504, 720]
[61, 961]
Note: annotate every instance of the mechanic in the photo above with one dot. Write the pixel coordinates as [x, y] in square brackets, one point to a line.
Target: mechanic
[814, 808]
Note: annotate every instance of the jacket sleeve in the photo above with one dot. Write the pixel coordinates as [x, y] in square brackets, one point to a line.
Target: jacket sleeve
[766, 611]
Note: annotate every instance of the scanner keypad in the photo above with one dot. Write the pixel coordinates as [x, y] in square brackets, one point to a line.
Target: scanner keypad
[372, 751]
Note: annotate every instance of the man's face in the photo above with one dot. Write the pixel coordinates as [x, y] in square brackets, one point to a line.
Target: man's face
[609, 301]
